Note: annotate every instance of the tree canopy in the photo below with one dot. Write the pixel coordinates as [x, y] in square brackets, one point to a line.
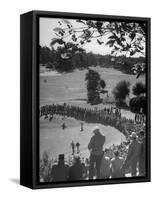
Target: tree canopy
[139, 89]
[92, 79]
[126, 38]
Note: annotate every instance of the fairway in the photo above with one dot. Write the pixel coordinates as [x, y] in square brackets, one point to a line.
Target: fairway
[71, 87]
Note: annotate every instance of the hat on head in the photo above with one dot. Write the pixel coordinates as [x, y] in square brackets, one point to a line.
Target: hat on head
[61, 157]
[96, 128]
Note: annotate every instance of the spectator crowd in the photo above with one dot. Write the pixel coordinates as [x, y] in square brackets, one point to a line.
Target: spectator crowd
[117, 161]
[106, 116]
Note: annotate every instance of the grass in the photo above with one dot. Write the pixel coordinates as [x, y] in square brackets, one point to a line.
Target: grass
[55, 140]
[71, 89]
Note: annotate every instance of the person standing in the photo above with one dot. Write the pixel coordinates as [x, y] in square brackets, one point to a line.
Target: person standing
[63, 126]
[95, 147]
[77, 147]
[81, 127]
[76, 170]
[60, 172]
[73, 147]
[141, 153]
[105, 170]
[116, 164]
[132, 156]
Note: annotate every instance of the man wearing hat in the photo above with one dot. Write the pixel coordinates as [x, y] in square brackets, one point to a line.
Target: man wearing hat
[95, 147]
[60, 171]
[76, 170]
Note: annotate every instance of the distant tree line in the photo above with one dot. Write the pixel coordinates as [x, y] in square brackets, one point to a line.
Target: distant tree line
[65, 59]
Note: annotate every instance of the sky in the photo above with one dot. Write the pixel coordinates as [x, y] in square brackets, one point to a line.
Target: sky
[47, 34]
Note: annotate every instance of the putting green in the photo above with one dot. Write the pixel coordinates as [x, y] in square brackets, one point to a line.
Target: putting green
[55, 140]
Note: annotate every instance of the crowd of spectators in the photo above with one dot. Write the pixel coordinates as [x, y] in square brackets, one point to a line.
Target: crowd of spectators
[117, 161]
[106, 116]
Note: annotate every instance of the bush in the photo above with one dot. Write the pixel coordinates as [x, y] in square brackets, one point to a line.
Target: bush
[121, 91]
[137, 103]
[138, 89]
[49, 65]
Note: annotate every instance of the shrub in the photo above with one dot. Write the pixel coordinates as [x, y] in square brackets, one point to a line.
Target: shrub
[137, 103]
[138, 89]
[121, 91]
[49, 65]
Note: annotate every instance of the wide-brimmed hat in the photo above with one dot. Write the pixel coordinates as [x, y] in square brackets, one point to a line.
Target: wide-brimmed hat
[96, 128]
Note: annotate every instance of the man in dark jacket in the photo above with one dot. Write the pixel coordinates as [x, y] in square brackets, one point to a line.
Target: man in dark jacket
[95, 147]
[76, 171]
[60, 171]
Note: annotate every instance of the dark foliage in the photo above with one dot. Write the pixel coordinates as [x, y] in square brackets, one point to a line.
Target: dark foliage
[123, 37]
[93, 79]
[139, 89]
[65, 60]
[49, 65]
[121, 91]
[137, 104]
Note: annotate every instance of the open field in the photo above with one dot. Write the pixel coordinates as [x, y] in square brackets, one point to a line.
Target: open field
[71, 87]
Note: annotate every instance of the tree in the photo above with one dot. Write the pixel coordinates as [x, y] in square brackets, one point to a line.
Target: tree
[44, 55]
[137, 104]
[121, 91]
[122, 37]
[93, 79]
[139, 89]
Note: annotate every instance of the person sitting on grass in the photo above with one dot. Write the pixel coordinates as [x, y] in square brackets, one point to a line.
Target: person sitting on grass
[60, 171]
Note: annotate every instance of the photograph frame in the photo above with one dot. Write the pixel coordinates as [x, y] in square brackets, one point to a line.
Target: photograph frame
[29, 99]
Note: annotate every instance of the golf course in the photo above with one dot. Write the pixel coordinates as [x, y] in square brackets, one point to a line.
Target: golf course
[70, 88]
